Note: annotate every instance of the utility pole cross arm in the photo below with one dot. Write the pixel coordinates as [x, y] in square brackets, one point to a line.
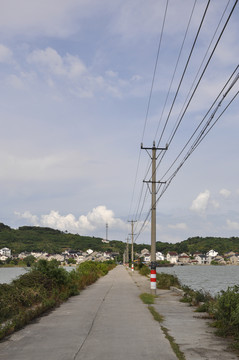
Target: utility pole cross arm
[153, 212]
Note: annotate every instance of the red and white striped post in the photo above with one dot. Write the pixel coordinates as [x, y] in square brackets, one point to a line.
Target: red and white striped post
[153, 278]
[132, 267]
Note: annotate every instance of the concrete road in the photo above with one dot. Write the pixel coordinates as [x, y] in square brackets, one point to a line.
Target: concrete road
[190, 330]
[107, 321]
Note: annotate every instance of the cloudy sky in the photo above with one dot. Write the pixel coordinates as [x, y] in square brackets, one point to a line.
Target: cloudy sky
[84, 82]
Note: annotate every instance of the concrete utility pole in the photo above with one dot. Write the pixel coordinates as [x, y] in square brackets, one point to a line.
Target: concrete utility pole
[153, 213]
[127, 252]
[107, 226]
[132, 244]
[124, 258]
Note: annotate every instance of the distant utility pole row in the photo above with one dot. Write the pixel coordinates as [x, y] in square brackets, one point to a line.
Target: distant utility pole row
[132, 244]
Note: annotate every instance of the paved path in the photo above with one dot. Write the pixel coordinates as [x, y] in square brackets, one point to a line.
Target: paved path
[190, 330]
[107, 321]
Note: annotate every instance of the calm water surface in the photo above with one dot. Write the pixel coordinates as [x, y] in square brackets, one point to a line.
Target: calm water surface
[208, 278]
[9, 274]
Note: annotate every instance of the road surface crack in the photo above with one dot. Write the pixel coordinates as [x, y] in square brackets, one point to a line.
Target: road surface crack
[93, 321]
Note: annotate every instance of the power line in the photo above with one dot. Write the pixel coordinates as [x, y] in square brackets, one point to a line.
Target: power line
[208, 125]
[184, 71]
[200, 66]
[203, 72]
[149, 101]
[195, 131]
[200, 78]
[205, 130]
[175, 69]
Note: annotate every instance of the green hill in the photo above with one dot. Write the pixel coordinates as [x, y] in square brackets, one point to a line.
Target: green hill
[202, 245]
[33, 238]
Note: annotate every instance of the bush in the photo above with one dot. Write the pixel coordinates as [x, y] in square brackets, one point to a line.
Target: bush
[197, 298]
[42, 288]
[51, 269]
[164, 281]
[226, 311]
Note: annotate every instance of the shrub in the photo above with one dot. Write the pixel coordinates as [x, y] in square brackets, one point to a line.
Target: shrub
[143, 270]
[164, 281]
[198, 298]
[41, 289]
[226, 311]
[51, 269]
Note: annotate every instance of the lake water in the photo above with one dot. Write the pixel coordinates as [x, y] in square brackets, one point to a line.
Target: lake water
[208, 278]
[11, 273]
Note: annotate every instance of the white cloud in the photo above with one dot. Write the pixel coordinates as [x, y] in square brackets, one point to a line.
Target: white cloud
[57, 18]
[69, 65]
[33, 219]
[200, 204]
[178, 226]
[48, 58]
[111, 73]
[233, 225]
[5, 54]
[74, 74]
[55, 166]
[225, 193]
[15, 82]
[95, 219]
[215, 204]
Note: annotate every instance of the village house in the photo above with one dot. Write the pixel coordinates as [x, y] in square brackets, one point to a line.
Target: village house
[5, 252]
[201, 259]
[211, 254]
[159, 256]
[183, 258]
[172, 257]
[220, 260]
[105, 241]
[146, 256]
[232, 259]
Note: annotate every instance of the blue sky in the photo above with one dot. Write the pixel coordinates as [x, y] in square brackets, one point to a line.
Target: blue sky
[75, 84]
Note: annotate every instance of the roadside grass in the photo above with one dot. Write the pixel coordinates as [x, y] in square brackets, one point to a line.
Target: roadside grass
[155, 314]
[222, 309]
[174, 345]
[147, 298]
[142, 269]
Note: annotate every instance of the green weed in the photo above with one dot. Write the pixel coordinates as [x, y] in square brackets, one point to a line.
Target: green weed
[147, 298]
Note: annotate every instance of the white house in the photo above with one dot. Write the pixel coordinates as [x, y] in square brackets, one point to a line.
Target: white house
[159, 256]
[172, 257]
[89, 251]
[211, 254]
[183, 258]
[5, 252]
[201, 259]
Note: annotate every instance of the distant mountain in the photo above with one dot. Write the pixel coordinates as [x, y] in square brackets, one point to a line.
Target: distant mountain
[34, 238]
[202, 245]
